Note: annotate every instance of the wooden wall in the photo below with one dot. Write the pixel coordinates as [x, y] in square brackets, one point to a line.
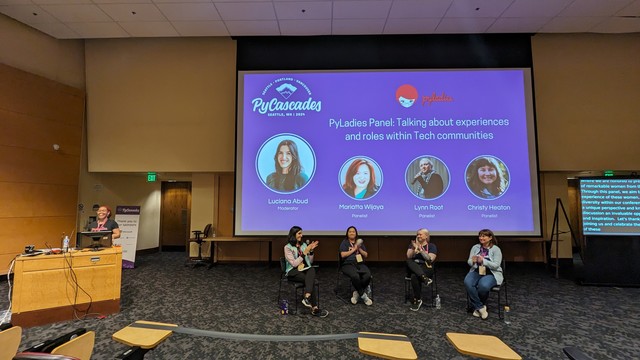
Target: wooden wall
[38, 185]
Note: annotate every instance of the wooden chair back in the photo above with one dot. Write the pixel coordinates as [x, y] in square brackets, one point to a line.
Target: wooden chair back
[80, 347]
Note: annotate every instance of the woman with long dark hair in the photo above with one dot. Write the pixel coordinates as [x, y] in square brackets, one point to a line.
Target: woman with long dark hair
[289, 174]
[299, 257]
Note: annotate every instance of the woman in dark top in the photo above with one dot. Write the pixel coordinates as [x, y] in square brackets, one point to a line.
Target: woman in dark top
[104, 223]
[420, 256]
[353, 252]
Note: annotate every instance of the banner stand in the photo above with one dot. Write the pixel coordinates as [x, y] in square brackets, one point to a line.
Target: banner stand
[128, 219]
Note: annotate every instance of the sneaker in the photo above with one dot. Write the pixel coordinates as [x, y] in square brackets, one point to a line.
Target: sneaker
[366, 299]
[483, 313]
[415, 306]
[306, 302]
[354, 298]
[426, 280]
[319, 313]
[476, 313]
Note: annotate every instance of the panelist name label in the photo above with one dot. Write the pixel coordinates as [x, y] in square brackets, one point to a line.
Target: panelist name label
[372, 207]
[287, 201]
[489, 207]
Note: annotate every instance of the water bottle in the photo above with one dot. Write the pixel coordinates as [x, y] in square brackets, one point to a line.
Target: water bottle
[438, 303]
[65, 244]
[507, 316]
[284, 307]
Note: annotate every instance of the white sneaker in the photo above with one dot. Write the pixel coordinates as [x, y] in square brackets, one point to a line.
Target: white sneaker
[366, 299]
[476, 313]
[354, 298]
[483, 313]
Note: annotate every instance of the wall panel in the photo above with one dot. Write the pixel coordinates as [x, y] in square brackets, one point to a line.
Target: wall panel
[49, 167]
[587, 91]
[38, 185]
[25, 131]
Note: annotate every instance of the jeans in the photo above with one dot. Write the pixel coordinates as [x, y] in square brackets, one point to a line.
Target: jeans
[478, 288]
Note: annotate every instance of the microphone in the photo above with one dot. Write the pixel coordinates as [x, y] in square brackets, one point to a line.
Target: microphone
[359, 242]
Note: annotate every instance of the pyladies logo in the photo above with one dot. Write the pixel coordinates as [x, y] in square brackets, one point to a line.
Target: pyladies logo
[286, 96]
[406, 95]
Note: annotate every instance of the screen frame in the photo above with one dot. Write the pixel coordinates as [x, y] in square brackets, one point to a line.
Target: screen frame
[529, 108]
[588, 233]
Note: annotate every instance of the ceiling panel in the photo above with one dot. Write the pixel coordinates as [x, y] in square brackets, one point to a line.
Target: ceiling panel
[321, 17]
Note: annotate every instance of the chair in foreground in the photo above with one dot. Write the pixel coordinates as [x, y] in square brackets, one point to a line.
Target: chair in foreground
[142, 338]
[294, 286]
[75, 345]
[574, 353]
[10, 340]
[80, 347]
[48, 346]
[482, 346]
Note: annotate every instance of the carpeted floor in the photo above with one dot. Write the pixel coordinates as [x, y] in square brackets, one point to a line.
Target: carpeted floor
[547, 314]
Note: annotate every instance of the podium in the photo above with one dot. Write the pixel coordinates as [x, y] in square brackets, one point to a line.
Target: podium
[45, 289]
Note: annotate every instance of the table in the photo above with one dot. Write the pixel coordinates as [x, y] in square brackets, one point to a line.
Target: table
[387, 346]
[482, 346]
[44, 290]
[216, 239]
[143, 337]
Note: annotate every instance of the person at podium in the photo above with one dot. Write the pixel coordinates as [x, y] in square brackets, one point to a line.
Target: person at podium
[104, 223]
[299, 256]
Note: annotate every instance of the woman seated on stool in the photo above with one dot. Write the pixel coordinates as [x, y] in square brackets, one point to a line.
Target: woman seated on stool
[420, 256]
[299, 255]
[353, 252]
[485, 259]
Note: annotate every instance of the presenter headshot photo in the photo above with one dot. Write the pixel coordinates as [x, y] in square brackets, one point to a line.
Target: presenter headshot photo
[427, 177]
[287, 159]
[104, 223]
[362, 178]
[487, 177]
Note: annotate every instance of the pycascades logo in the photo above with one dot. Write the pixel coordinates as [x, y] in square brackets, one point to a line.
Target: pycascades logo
[286, 96]
[406, 95]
